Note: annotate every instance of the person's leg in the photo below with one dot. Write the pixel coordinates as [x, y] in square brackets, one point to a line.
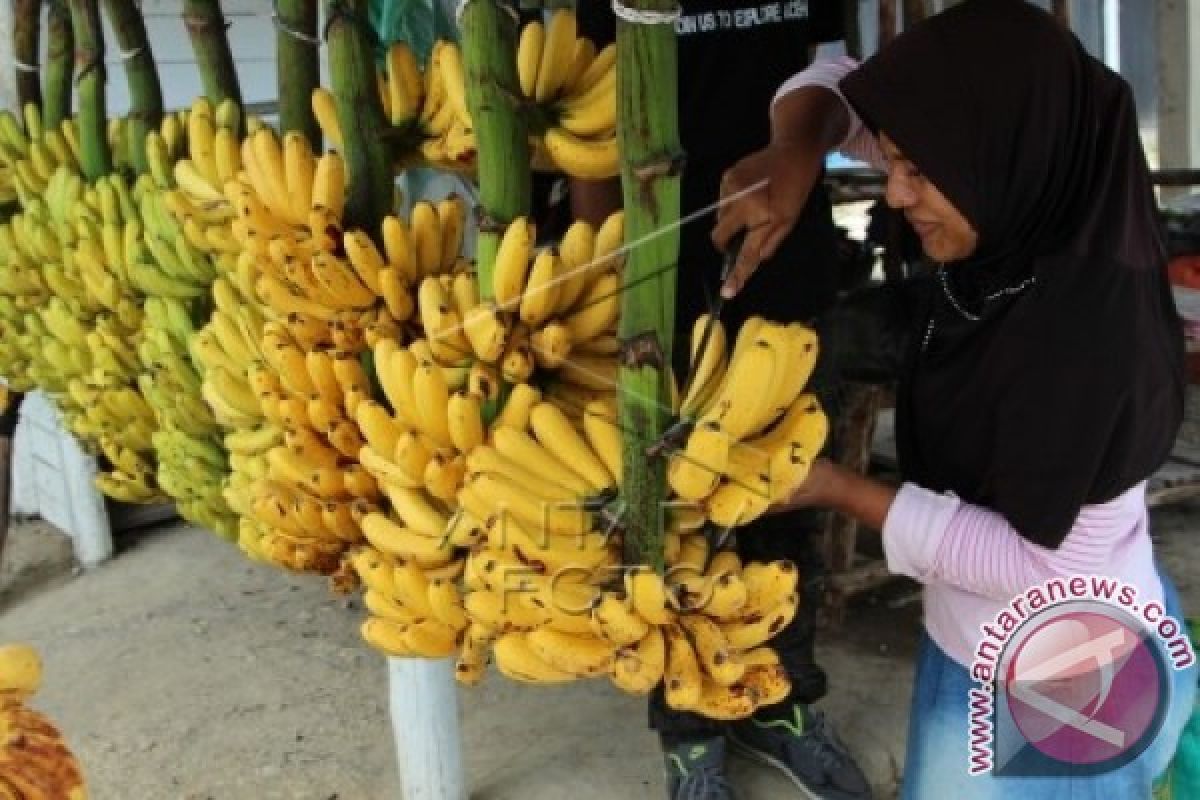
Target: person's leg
[693, 752]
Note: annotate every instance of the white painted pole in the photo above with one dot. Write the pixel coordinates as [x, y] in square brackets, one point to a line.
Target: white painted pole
[424, 709]
[1112, 34]
[8, 80]
[1178, 86]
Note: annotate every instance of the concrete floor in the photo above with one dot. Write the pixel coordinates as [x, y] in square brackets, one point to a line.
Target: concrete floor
[180, 670]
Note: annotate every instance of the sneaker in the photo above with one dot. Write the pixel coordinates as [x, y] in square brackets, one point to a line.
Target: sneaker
[806, 749]
[696, 770]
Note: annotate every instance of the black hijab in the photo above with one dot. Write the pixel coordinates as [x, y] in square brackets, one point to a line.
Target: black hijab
[1047, 371]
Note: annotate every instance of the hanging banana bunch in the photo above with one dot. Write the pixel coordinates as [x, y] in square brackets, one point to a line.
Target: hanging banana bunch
[80, 343]
[427, 110]
[574, 90]
[497, 540]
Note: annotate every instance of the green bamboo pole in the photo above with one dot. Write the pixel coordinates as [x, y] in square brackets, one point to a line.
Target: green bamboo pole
[360, 113]
[489, 37]
[60, 64]
[145, 92]
[648, 138]
[89, 56]
[27, 16]
[206, 27]
[298, 68]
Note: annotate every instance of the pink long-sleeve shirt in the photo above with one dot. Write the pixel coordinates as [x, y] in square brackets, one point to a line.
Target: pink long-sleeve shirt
[972, 562]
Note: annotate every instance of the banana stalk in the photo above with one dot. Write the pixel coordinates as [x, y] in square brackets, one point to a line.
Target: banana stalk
[489, 36]
[648, 138]
[298, 69]
[360, 112]
[89, 53]
[60, 64]
[145, 92]
[26, 30]
[206, 27]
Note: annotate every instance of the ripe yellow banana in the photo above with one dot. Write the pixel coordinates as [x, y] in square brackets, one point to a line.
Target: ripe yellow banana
[529, 56]
[588, 159]
[512, 263]
[682, 677]
[557, 50]
[639, 669]
[559, 436]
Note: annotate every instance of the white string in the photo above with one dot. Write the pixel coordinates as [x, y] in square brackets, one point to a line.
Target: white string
[462, 6]
[645, 17]
[23, 67]
[292, 32]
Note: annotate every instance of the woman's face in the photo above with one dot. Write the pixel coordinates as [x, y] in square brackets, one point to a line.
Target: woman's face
[946, 235]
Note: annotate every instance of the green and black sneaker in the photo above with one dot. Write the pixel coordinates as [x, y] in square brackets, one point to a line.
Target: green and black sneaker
[806, 750]
[696, 770]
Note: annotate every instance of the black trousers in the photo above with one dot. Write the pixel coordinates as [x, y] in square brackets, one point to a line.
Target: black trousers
[797, 285]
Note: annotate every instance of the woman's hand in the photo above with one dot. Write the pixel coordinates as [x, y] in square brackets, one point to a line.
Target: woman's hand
[837, 488]
[765, 193]
[817, 491]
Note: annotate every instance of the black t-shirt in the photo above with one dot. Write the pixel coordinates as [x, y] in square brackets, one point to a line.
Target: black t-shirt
[733, 56]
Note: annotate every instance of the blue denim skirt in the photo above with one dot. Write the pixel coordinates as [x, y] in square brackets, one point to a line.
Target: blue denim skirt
[938, 748]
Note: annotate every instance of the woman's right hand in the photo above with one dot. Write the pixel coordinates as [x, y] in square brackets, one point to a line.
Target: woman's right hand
[765, 193]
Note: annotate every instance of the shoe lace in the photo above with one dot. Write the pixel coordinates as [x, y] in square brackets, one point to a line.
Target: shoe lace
[704, 783]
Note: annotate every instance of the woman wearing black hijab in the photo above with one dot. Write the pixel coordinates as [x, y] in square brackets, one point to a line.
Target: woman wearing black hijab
[1043, 384]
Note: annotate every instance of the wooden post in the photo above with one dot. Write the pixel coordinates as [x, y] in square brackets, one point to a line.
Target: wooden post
[60, 64]
[1179, 86]
[887, 22]
[1062, 11]
[145, 93]
[206, 27]
[298, 69]
[648, 139]
[425, 724]
[27, 15]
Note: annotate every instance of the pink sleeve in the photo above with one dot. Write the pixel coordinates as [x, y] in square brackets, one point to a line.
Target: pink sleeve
[859, 143]
[937, 538]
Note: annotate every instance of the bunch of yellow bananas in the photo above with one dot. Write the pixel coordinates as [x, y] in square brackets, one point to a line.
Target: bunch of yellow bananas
[192, 464]
[81, 340]
[575, 89]
[756, 434]
[450, 140]
[35, 764]
[555, 309]
[327, 296]
[306, 507]
[30, 156]
[428, 108]
[23, 289]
